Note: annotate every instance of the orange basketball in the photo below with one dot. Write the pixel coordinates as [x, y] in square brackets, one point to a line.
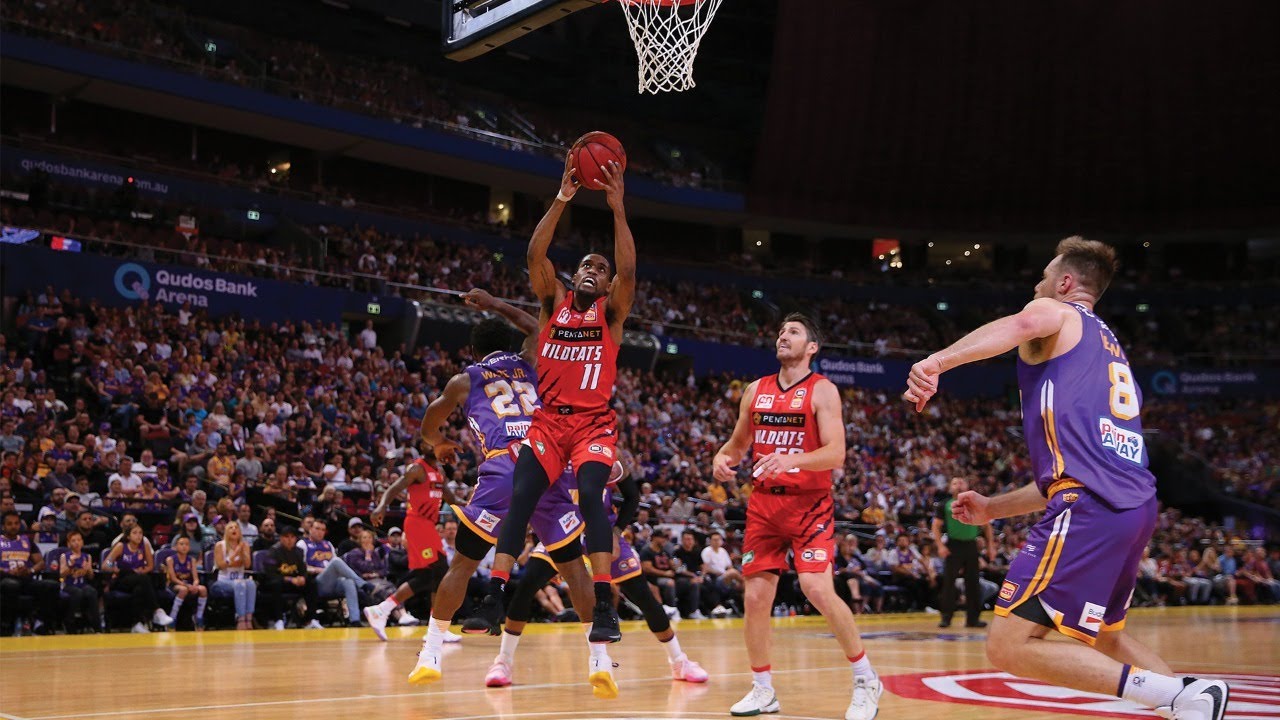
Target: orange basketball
[590, 152]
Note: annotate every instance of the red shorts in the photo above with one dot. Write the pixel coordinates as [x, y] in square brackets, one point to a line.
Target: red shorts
[803, 523]
[423, 542]
[558, 440]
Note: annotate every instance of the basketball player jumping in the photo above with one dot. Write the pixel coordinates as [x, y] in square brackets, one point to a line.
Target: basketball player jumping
[499, 395]
[1076, 573]
[578, 344]
[793, 424]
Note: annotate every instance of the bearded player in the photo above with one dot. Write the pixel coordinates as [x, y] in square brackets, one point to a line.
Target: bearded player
[580, 331]
[498, 394]
[1076, 574]
[793, 424]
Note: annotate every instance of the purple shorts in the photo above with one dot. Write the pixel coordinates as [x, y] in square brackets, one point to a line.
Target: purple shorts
[624, 568]
[555, 520]
[1080, 562]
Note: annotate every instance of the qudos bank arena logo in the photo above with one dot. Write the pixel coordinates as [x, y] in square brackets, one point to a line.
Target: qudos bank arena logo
[1164, 382]
[133, 282]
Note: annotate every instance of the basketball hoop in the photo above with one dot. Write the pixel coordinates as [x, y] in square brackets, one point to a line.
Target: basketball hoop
[666, 34]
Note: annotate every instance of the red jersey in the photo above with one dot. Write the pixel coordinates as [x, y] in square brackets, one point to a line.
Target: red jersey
[577, 358]
[425, 497]
[783, 421]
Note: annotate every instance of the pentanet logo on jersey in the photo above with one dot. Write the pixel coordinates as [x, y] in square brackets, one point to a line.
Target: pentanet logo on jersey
[1125, 443]
[1253, 696]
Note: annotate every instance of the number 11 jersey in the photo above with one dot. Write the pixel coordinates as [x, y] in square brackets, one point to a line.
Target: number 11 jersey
[577, 359]
[1080, 418]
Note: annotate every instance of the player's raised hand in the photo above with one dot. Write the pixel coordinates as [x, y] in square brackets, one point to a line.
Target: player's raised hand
[446, 451]
[970, 508]
[922, 382]
[568, 183]
[479, 299]
[722, 469]
[613, 184]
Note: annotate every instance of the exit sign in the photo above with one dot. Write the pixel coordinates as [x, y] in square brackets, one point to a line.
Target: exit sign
[375, 309]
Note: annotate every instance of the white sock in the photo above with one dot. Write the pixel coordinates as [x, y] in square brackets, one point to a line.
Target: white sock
[862, 666]
[763, 678]
[508, 647]
[1148, 688]
[674, 652]
[386, 606]
[435, 634]
[599, 650]
[177, 603]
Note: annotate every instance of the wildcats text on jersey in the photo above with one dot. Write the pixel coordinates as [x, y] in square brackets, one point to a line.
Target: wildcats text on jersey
[780, 438]
[571, 353]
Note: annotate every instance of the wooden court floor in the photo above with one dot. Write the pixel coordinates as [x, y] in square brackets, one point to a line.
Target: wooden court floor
[348, 673]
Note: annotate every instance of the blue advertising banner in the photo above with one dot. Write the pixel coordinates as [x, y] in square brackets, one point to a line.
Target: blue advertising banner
[119, 282]
[1211, 382]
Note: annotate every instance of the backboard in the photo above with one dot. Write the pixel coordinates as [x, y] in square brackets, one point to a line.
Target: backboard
[474, 27]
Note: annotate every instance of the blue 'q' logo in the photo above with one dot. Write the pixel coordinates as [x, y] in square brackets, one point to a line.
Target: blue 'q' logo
[1165, 383]
[133, 282]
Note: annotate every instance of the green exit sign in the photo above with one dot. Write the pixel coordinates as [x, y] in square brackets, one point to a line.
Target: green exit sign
[374, 309]
[253, 215]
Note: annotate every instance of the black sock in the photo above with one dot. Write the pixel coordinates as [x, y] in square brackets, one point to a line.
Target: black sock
[497, 586]
[604, 592]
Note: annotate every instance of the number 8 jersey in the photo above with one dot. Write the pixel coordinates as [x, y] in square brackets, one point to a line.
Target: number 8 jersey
[577, 358]
[1080, 417]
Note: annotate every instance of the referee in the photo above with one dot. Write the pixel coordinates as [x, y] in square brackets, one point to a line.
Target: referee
[960, 552]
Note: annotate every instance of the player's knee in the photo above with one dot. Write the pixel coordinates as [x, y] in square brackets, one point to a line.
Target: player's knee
[1002, 650]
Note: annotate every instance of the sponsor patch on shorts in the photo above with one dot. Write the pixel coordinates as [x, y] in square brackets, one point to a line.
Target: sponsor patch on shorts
[813, 555]
[569, 521]
[748, 557]
[599, 449]
[487, 521]
[1008, 590]
[1091, 616]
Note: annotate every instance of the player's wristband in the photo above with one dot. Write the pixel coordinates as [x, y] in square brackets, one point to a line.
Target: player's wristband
[562, 197]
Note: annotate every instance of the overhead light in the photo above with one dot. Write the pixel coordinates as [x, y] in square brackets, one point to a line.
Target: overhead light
[930, 244]
[1146, 244]
[881, 257]
[966, 253]
[977, 246]
[759, 243]
[948, 262]
[502, 206]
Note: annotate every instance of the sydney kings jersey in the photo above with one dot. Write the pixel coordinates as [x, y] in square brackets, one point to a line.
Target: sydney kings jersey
[784, 421]
[577, 358]
[504, 394]
[1080, 417]
[425, 497]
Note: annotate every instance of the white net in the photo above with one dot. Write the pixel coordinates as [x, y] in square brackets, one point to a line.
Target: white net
[666, 34]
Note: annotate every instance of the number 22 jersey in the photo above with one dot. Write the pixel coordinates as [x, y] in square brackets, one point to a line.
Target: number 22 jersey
[1080, 418]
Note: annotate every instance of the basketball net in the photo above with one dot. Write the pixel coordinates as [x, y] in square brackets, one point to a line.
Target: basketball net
[666, 34]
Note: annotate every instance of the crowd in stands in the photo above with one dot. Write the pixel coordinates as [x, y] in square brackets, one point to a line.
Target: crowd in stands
[155, 463]
[383, 87]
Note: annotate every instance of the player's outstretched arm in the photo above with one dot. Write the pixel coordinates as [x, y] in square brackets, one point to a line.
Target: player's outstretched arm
[622, 291]
[438, 412]
[735, 449]
[542, 274]
[519, 319]
[1039, 319]
[826, 405]
[412, 474]
[973, 508]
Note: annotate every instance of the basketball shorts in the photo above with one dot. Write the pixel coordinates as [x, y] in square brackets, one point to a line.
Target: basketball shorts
[422, 541]
[803, 523]
[1080, 562]
[558, 440]
[555, 519]
[625, 567]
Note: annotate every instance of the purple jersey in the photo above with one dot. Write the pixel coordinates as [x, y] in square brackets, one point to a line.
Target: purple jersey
[184, 570]
[79, 562]
[132, 560]
[319, 554]
[504, 394]
[1080, 417]
[15, 553]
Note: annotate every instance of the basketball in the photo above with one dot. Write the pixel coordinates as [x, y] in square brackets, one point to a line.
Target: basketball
[590, 152]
